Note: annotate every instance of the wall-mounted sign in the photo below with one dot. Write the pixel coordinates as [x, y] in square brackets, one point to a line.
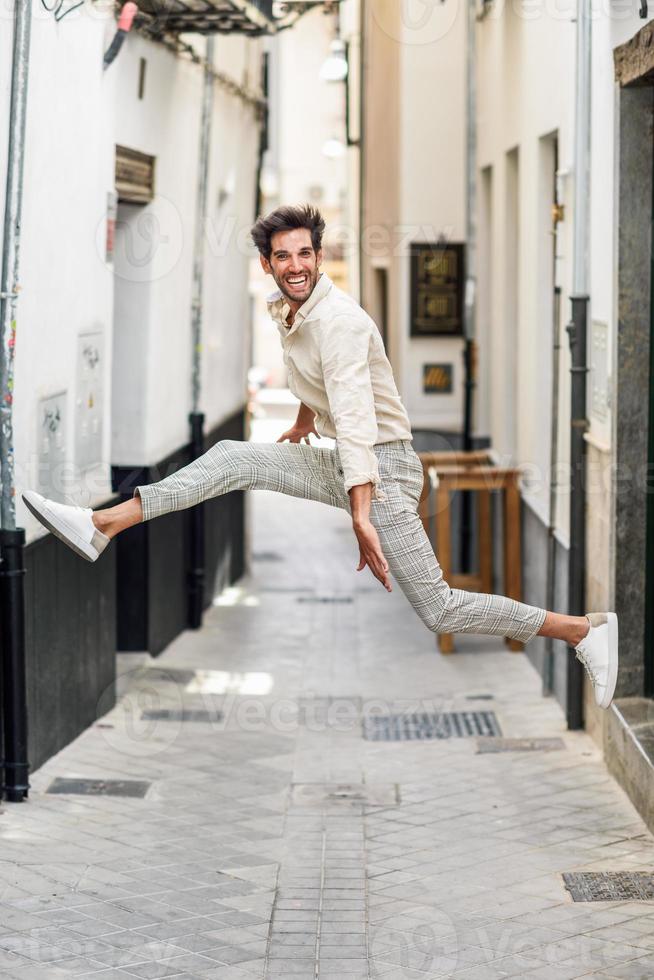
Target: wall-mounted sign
[437, 379]
[437, 285]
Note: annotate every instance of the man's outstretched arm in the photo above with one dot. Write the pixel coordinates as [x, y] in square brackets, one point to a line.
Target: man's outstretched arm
[370, 551]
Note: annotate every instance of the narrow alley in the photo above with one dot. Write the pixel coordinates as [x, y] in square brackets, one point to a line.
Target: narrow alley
[268, 822]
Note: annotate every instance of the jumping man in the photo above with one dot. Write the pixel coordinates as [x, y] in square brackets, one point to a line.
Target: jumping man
[337, 367]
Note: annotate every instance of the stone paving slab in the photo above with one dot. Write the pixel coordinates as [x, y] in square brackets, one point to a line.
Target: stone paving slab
[245, 861]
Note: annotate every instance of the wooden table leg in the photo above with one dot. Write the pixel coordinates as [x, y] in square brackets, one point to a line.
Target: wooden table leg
[444, 553]
[512, 555]
[485, 541]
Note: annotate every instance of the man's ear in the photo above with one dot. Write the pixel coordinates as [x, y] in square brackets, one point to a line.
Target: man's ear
[265, 264]
[319, 257]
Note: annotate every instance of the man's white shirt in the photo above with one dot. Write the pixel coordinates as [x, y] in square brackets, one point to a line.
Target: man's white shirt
[336, 363]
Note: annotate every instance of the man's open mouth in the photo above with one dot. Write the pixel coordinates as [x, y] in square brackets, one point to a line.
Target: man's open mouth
[297, 282]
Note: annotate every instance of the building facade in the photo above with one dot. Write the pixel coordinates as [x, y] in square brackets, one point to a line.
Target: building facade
[521, 211]
[104, 351]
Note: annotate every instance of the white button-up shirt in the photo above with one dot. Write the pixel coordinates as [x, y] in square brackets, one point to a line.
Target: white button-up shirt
[337, 366]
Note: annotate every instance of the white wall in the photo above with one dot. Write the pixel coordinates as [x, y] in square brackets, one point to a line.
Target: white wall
[520, 108]
[165, 124]
[432, 191]
[65, 289]
[77, 113]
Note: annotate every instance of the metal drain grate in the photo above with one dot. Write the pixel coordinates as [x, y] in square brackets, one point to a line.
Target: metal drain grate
[175, 675]
[99, 787]
[326, 598]
[519, 745]
[446, 724]
[184, 714]
[267, 556]
[609, 886]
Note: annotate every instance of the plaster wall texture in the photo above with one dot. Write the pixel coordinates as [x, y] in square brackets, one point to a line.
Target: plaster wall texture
[414, 179]
[65, 289]
[521, 112]
[77, 113]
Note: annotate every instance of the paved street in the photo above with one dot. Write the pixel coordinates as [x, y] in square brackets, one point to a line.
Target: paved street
[274, 840]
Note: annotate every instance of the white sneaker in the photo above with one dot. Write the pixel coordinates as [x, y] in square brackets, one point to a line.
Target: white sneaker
[598, 652]
[72, 525]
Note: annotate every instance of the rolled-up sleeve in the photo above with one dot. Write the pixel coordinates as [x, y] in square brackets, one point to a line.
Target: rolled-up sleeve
[345, 345]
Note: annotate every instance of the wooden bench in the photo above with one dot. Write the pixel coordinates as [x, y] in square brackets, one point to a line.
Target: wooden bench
[474, 472]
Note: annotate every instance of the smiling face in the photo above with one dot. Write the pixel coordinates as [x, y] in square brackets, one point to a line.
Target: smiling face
[294, 265]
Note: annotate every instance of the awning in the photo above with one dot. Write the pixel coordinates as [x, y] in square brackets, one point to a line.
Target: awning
[250, 17]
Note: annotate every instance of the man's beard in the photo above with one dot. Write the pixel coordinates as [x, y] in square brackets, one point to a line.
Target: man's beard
[303, 296]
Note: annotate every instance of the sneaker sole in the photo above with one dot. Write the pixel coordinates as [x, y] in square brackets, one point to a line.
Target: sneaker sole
[61, 531]
[613, 661]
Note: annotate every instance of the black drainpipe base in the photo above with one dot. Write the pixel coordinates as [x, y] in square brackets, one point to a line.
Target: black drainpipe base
[577, 332]
[196, 574]
[15, 785]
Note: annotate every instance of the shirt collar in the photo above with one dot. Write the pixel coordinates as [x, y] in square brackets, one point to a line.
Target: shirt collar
[279, 309]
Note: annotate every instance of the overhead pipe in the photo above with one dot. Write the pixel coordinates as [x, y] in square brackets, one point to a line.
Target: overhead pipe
[577, 330]
[12, 539]
[196, 574]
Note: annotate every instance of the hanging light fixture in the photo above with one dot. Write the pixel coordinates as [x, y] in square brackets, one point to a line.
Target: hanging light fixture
[334, 67]
[333, 148]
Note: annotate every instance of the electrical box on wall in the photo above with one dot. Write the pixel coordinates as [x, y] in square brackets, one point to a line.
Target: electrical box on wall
[51, 442]
[89, 400]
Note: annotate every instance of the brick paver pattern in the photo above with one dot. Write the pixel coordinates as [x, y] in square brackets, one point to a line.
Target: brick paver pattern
[277, 842]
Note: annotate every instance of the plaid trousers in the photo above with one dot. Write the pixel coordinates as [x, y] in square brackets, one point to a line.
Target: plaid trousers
[301, 470]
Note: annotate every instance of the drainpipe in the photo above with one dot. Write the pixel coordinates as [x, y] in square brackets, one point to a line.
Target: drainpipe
[577, 331]
[471, 282]
[196, 575]
[12, 539]
[263, 130]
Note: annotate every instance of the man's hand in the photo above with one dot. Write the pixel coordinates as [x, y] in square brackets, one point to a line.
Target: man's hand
[371, 554]
[302, 427]
[298, 432]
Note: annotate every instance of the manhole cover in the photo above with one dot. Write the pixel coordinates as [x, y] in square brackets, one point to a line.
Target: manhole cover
[184, 714]
[446, 724]
[326, 598]
[369, 794]
[99, 787]
[519, 744]
[609, 886]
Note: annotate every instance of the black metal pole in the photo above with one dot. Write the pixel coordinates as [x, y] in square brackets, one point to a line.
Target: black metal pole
[577, 332]
[15, 784]
[466, 496]
[196, 573]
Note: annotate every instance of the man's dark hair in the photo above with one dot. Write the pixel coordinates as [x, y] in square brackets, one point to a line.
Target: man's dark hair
[287, 218]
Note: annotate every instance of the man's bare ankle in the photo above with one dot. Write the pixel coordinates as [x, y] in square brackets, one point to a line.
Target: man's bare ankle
[584, 627]
[102, 521]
